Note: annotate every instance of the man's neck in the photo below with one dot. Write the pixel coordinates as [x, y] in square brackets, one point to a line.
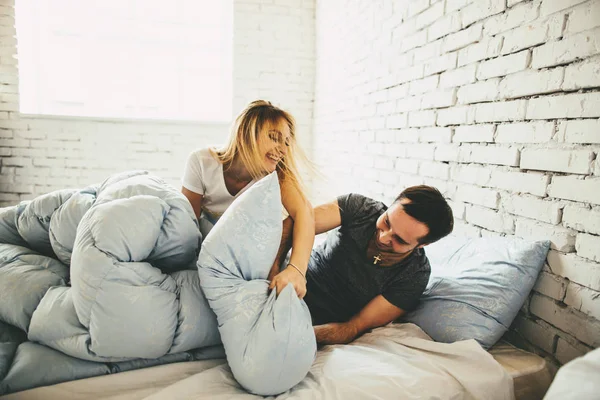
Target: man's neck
[383, 258]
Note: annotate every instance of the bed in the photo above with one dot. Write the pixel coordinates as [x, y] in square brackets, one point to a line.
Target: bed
[531, 374]
[373, 367]
[439, 352]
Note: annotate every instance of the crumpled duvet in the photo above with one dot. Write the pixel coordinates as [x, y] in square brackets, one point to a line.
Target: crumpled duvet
[103, 274]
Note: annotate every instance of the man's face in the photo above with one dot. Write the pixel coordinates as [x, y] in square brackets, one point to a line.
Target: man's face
[397, 231]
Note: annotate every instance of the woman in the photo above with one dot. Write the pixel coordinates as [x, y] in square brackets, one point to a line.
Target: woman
[262, 140]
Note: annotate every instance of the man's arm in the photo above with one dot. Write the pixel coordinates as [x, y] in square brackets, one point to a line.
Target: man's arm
[284, 246]
[377, 312]
[327, 217]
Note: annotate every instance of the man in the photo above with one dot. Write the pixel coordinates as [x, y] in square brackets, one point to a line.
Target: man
[372, 269]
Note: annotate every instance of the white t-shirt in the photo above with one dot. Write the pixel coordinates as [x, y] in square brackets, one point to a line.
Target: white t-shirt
[204, 175]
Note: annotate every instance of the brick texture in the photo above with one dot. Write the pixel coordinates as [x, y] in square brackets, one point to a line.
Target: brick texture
[496, 102]
[505, 96]
[273, 61]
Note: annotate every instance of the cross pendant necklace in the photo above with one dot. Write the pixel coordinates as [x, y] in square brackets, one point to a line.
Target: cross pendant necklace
[376, 259]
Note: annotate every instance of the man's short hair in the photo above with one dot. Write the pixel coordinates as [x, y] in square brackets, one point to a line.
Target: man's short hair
[427, 205]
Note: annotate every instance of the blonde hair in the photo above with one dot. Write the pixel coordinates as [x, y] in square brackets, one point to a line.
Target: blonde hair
[243, 142]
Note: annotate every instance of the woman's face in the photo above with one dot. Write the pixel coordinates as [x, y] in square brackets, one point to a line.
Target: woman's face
[273, 143]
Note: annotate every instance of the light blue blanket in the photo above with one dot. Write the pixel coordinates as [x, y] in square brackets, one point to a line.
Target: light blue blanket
[104, 280]
[100, 280]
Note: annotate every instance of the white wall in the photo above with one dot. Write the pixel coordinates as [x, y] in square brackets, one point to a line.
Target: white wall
[273, 60]
[495, 102]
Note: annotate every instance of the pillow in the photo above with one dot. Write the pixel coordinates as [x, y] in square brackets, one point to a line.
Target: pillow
[477, 287]
[269, 341]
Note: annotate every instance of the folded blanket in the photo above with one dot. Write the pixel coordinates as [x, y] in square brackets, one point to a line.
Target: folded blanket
[105, 274]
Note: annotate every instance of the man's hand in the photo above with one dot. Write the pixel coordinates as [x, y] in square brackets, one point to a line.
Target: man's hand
[377, 312]
[336, 333]
[289, 275]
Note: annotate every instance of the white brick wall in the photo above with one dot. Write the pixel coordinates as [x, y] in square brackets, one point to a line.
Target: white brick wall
[541, 334]
[583, 299]
[470, 173]
[533, 183]
[478, 195]
[580, 131]
[582, 75]
[478, 92]
[572, 161]
[561, 239]
[501, 112]
[582, 218]
[474, 133]
[490, 154]
[498, 105]
[572, 48]
[496, 102]
[551, 285]
[575, 188]
[530, 82]
[525, 132]
[274, 59]
[502, 66]
[575, 268]
[585, 105]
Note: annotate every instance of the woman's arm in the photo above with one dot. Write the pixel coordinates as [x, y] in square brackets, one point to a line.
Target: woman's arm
[195, 200]
[327, 217]
[303, 237]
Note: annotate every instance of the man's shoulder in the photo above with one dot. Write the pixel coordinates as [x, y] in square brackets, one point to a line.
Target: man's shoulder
[409, 283]
[417, 264]
[420, 259]
[357, 198]
[359, 205]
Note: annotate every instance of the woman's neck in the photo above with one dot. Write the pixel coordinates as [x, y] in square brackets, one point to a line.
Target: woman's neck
[237, 171]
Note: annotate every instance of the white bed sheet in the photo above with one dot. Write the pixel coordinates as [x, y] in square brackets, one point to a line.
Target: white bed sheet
[392, 362]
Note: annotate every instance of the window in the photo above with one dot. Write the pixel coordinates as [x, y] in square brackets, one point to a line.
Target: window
[126, 58]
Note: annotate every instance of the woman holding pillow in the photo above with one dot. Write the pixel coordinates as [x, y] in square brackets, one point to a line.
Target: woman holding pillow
[262, 140]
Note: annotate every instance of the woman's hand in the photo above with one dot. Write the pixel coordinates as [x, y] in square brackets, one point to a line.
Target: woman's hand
[289, 275]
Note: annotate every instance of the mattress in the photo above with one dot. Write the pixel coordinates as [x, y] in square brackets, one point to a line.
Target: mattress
[531, 373]
[130, 385]
[397, 361]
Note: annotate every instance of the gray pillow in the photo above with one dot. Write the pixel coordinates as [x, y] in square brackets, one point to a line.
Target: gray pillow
[477, 287]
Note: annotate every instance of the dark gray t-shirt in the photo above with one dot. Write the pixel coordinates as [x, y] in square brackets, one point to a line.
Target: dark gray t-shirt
[340, 278]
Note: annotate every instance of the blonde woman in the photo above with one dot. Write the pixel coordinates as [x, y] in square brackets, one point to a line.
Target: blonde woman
[262, 140]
